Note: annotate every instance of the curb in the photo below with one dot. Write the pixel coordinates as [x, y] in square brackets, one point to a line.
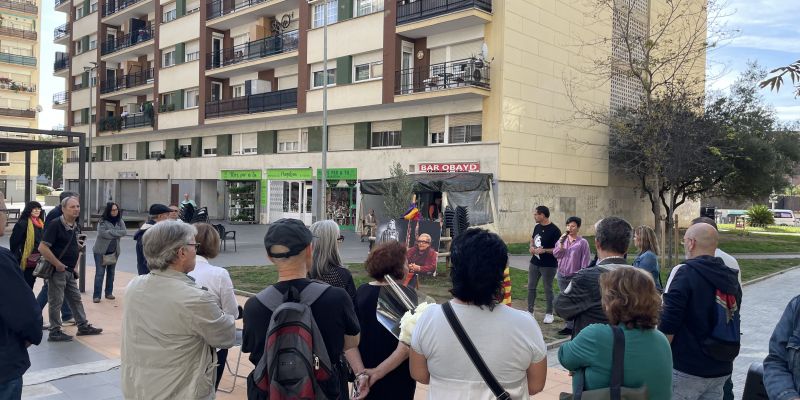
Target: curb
[765, 277]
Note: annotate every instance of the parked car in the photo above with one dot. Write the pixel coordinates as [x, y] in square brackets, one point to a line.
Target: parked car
[785, 218]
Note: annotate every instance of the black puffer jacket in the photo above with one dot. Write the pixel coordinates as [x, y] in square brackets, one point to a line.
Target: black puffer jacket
[20, 319]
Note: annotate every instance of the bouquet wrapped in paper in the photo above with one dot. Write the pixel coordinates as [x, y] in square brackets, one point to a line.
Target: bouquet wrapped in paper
[399, 307]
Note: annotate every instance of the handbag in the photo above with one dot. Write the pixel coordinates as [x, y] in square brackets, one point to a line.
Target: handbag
[43, 268]
[473, 354]
[615, 391]
[32, 260]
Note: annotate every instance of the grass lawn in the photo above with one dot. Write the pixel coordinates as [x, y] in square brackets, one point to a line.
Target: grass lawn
[522, 248]
[772, 228]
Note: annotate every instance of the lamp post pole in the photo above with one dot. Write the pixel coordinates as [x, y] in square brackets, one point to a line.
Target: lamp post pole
[324, 177]
[87, 221]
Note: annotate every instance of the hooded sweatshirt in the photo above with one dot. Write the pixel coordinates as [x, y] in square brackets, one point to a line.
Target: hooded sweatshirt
[688, 313]
[141, 262]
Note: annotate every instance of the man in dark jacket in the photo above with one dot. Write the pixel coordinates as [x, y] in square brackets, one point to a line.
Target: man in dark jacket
[158, 213]
[66, 313]
[692, 298]
[581, 300]
[20, 321]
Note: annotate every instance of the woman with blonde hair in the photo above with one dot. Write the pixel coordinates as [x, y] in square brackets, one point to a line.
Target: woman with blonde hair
[644, 238]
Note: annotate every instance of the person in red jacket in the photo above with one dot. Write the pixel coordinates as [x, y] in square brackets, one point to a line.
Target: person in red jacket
[421, 260]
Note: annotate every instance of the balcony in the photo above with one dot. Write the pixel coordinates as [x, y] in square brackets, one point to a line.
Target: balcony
[18, 59]
[117, 123]
[255, 103]
[127, 82]
[422, 18]
[117, 12]
[62, 32]
[127, 41]
[60, 5]
[253, 55]
[227, 14]
[440, 78]
[62, 63]
[22, 6]
[60, 99]
[8, 84]
[17, 33]
[13, 112]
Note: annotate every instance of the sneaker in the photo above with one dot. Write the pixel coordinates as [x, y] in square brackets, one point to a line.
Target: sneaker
[59, 336]
[565, 332]
[87, 330]
[110, 296]
[96, 300]
[548, 319]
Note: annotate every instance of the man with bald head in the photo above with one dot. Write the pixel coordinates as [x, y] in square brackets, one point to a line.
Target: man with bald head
[699, 294]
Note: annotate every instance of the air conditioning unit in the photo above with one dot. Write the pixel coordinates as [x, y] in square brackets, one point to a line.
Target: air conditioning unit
[257, 86]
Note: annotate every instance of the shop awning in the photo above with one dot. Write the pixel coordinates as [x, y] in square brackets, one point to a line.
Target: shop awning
[460, 182]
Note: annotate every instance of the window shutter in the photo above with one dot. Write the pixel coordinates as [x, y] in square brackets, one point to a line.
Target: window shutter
[436, 124]
[267, 142]
[465, 119]
[86, 8]
[361, 136]
[387, 126]
[344, 70]
[180, 53]
[170, 148]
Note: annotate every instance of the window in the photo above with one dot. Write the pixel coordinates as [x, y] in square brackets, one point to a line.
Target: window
[210, 152]
[209, 146]
[319, 77]
[93, 7]
[93, 77]
[185, 147]
[457, 128]
[465, 134]
[364, 7]
[79, 47]
[238, 91]
[170, 12]
[3, 157]
[385, 139]
[157, 149]
[92, 42]
[167, 102]
[292, 141]
[106, 153]
[319, 13]
[369, 71]
[244, 143]
[193, 56]
[168, 58]
[79, 12]
[129, 151]
[191, 98]
[287, 147]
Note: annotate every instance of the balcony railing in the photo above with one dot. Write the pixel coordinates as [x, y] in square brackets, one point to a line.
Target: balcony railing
[7, 84]
[115, 6]
[252, 50]
[73, 159]
[80, 86]
[254, 103]
[13, 112]
[60, 98]
[469, 72]
[18, 59]
[61, 31]
[410, 11]
[23, 6]
[128, 40]
[62, 62]
[131, 121]
[218, 8]
[16, 32]
[127, 81]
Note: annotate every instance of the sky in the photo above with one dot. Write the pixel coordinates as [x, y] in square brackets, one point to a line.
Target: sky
[766, 31]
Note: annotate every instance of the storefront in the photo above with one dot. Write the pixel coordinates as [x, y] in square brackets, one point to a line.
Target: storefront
[341, 196]
[242, 195]
[290, 194]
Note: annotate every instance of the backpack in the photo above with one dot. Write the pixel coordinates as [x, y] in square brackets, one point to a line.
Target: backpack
[295, 363]
[724, 340]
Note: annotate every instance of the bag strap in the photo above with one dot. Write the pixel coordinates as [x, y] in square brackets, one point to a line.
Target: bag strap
[617, 363]
[271, 297]
[312, 292]
[64, 250]
[473, 354]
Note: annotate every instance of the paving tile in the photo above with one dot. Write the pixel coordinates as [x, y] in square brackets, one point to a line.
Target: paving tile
[101, 392]
[72, 383]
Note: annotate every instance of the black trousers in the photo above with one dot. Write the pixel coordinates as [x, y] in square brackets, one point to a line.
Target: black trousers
[222, 355]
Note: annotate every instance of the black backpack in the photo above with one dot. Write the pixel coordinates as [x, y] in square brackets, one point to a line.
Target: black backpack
[724, 340]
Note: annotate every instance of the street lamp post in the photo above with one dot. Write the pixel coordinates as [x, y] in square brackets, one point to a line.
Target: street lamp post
[87, 221]
[324, 172]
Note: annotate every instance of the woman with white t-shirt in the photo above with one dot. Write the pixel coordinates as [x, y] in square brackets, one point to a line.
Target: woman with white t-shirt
[509, 340]
[215, 279]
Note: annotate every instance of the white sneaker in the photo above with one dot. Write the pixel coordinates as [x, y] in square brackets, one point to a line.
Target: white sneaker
[548, 319]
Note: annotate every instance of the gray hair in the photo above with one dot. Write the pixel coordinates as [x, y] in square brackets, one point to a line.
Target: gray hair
[66, 200]
[162, 241]
[326, 253]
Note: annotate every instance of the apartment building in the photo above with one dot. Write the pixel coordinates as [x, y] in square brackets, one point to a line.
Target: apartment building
[19, 78]
[223, 99]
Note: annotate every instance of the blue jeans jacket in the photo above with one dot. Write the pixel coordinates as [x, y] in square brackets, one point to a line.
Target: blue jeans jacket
[782, 365]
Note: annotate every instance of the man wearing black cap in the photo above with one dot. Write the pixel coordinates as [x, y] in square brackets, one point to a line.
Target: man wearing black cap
[288, 245]
[158, 213]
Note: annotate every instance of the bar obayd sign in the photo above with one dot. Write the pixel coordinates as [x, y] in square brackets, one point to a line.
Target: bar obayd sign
[450, 167]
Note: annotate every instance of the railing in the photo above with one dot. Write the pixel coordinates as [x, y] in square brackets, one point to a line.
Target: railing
[16, 32]
[6, 84]
[252, 50]
[60, 98]
[131, 121]
[128, 40]
[115, 6]
[409, 11]
[61, 31]
[13, 112]
[255, 103]
[80, 86]
[23, 6]
[73, 159]
[218, 8]
[18, 59]
[448, 75]
[61, 63]
[192, 56]
[60, 2]
[127, 81]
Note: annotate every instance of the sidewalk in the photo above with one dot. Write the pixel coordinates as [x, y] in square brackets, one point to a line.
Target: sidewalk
[91, 362]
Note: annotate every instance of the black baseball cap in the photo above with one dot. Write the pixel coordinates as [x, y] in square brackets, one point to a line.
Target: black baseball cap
[288, 232]
[158, 209]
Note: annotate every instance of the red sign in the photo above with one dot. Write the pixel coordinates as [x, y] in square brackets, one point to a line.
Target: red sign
[450, 167]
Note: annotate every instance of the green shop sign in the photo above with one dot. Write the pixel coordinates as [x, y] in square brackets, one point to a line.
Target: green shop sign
[241, 175]
[336, 174]
[289, 174]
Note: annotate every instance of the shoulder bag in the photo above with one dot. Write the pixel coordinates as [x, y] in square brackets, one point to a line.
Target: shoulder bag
[473, 354]
[615, 391]
[43, 268]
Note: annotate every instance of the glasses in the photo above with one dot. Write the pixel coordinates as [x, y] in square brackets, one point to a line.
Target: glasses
[195, 245]
[171, 210]
[423, 241]
[340, 238]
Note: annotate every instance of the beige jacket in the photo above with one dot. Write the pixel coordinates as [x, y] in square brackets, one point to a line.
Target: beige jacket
[170, 327]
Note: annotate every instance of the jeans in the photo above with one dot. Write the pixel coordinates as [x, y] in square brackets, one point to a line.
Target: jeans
[222, 356]
[63, 288]
[11, 390]
[534, 273]
[100, 274]
[690, 387]
[563, 282]
[66, 313]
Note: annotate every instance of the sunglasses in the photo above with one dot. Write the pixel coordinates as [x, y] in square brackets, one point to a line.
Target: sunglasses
[423, 241]
[340, 238]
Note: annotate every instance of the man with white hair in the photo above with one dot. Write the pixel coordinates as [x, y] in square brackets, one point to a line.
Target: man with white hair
[170, 324]
[422, 259]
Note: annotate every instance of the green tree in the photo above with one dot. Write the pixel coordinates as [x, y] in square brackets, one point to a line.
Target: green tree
[46, 165]
[399, 190]
[775, 78]
[760, 215]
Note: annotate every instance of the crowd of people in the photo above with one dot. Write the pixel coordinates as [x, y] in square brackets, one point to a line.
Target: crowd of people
[314, 333]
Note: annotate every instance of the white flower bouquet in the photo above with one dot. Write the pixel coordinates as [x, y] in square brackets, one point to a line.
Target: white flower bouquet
[409, 321]
[399, 307]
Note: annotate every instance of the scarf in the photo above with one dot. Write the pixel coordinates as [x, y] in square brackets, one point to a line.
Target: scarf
[27, 249]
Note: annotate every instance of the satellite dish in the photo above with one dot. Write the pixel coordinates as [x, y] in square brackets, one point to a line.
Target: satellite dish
[485, 51]
[39, 108]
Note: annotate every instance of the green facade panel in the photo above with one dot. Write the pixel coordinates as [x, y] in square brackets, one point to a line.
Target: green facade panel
[116, 152]
[414, 132]
[344, 70]
[171, 148]
[197, 144]
[345, 10]
[180, 53]
[267, 142]
[315, 139]
[180, 8]
[361, 136]
[224, 145]
[141, 150]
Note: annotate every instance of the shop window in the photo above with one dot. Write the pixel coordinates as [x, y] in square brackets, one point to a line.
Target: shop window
[385, 139]
[291, 197]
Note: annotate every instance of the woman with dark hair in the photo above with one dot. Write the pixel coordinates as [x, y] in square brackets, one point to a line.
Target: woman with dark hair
[509, 341]
[25, 237]
[106, 249]
[384, 357]
[572, 253]
[631, 302]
